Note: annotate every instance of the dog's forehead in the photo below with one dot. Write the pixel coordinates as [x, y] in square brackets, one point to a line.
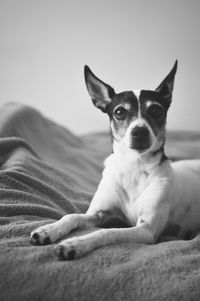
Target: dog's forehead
[125, 98]
[135, 96]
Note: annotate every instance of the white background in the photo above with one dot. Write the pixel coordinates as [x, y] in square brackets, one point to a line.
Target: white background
[129, 44]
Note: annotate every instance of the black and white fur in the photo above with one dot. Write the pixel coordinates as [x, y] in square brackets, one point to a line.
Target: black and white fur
[139, 184]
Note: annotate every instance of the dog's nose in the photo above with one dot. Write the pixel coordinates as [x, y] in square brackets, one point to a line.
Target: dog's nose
[139, 132]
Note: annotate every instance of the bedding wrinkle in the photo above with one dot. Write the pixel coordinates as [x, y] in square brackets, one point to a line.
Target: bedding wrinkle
[46, 172]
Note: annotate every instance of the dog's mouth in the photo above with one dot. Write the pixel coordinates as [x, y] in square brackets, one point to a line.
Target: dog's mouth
[140, 146]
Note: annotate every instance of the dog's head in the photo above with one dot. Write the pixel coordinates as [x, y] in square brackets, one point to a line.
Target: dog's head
[137, 117]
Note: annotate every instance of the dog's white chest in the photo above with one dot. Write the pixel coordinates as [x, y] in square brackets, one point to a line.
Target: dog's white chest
[129, 182]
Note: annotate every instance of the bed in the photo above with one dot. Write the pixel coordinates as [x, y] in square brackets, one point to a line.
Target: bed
[47, 172]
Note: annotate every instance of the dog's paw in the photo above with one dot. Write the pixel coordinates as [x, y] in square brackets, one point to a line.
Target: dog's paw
[71, 248]
[43, 235]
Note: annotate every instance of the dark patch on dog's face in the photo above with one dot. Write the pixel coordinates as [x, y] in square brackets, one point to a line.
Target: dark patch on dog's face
[122, 110]
[154, 110]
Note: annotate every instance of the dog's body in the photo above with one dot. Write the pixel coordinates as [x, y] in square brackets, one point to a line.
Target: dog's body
[139, 184]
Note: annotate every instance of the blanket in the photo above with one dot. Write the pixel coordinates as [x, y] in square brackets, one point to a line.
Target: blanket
[47, 172]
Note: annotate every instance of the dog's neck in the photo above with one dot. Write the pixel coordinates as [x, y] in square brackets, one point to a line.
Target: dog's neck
[148, 161]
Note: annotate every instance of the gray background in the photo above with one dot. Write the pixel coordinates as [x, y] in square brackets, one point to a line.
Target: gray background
[129, 44]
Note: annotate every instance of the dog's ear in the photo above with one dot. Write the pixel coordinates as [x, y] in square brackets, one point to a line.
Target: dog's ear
[166, 86]
[100, 92]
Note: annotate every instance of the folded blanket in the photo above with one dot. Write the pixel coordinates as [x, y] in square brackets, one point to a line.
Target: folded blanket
[47, 172]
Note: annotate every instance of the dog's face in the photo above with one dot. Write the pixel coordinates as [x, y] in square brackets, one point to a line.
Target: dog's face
[137, 117]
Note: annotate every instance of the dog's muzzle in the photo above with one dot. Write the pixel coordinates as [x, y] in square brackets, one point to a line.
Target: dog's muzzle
[140, 138]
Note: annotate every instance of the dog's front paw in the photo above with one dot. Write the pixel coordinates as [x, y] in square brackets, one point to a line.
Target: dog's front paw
[71, 248]
[43, 235]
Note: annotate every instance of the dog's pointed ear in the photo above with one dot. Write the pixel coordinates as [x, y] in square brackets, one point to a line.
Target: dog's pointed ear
[100, 92]
[166, 86]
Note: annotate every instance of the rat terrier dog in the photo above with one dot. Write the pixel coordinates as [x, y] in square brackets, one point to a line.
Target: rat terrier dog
[139, 184]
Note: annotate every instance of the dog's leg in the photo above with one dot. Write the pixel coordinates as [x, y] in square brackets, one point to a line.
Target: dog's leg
[76, 247]
[153, 208]
[50, 233]
[99, 210]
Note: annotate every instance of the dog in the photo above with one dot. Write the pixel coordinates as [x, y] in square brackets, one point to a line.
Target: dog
[139, 184]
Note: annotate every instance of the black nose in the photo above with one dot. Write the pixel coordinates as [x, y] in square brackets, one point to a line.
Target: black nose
[140, 132]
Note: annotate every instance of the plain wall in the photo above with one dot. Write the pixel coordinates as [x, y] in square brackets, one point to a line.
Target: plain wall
[129, 44]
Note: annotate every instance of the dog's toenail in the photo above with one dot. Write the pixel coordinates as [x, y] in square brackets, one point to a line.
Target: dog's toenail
[35, 239]
[47, 240]
[59, 250]
[35, 236]
[71, 255]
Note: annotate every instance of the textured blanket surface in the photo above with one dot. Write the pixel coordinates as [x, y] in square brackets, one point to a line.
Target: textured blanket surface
[47, 172]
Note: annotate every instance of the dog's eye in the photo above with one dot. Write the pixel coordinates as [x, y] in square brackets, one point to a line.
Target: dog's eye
[156, 111]
[120, 113]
